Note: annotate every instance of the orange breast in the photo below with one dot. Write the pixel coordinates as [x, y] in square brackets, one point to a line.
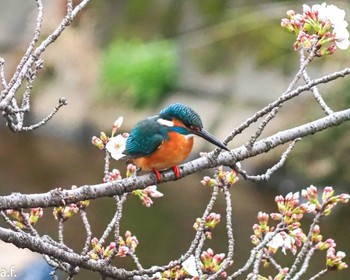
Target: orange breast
[169, 154]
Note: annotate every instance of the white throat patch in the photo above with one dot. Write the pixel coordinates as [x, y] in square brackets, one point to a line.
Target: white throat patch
[189, 136]
[165, 122]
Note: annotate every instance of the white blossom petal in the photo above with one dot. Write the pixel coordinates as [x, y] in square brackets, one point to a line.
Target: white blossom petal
[343, 44]
[321, 11]
[306, 8]
[342, 38]
[276, 242]
[190, 266]
[335, 15]
[116, 146]
[153, 192]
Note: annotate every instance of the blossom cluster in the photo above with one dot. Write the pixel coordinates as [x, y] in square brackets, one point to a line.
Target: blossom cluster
[222, 178]
[128, 245]
[289, 234]
[113, 175]
[122, 249]
[334, 260]
[177, 272]
[321, 26]
[22, 219]
[328, 199]
[210, 223]
[209, 264]
[280, 276]
[63, 213]
[115, 145]
[212, 262]
[146, 194]
[98, 252]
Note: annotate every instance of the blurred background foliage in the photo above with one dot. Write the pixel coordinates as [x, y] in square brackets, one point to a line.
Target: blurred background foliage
[139, 73]
[224, 58]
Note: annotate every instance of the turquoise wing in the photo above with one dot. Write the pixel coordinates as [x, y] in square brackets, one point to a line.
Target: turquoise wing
[145, 138]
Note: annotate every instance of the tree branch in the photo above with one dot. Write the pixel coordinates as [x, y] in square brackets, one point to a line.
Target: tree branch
[62, 197]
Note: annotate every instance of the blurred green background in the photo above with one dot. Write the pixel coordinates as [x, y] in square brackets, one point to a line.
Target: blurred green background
[226, 59]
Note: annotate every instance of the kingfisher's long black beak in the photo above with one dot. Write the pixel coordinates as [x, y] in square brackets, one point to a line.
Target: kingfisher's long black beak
[210, 138]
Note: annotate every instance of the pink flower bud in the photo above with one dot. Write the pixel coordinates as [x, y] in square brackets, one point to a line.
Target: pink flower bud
[97, 142]
[263, 217]
[104, 137]
[344, 198]
[327, 194]
[122, 251]
[37, 212]
[290, 13]
[217, 259]
[316, 229]
[153, 192]
[276, 216]
[94, 241]
[118, 123]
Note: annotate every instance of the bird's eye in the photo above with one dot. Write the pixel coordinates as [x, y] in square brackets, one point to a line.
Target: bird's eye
[194, 128]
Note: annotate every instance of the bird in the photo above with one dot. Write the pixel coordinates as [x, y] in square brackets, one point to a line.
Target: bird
[165, 140]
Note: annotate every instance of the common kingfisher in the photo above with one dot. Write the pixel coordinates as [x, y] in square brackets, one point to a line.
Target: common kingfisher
[165, 140]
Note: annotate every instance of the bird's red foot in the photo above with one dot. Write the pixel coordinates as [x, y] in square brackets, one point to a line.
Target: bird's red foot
[157, 174]
[176, 171]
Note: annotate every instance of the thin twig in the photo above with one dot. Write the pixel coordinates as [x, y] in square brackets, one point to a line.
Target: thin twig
[256, 266]
[305, 264]
[120, 201]
[7, 100]
[108, 229]
[136, 260]
[274, 263]
[266, 176]
[60, 231]
[88, 231]
[261, 128]
[305, 248]
[254, 252]
[314, 90]
[2, 73]
[70, 9]
[61, 102]
[27, 223]
[319, 274]
[29, 50]
[9, 222]
[230, 239]
[200, 229]
[194, 242]
[282, 99]
[197, 255]
[107, 162]
[273, 113]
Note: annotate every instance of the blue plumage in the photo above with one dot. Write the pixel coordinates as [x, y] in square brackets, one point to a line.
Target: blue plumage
[145, 138]
[183, 113]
